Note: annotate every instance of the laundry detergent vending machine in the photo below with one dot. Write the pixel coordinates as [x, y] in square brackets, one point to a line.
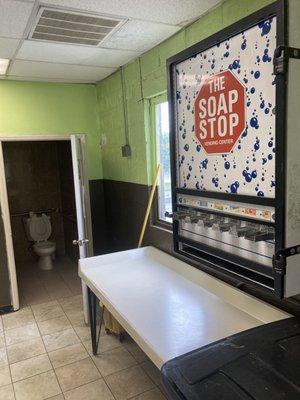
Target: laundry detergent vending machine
[235, 151]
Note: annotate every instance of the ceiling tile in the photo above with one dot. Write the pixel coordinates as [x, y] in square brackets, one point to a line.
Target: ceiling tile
[72, 54]
[32, 69]
[54, 80]
[142, 28]
[8, 47]
[130, 42]
[14, 16]
[141, 36]
[149, 23]
[170, 12]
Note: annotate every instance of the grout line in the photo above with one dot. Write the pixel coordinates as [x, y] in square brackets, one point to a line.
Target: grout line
[69, 363]
[89, 356]
[27, 358]
[10, 374]
[84, 384]
[148, 375]
[92, 358]
[124, 369]
[49, 357]
[30, 60]
[47, 290]
[146, 391]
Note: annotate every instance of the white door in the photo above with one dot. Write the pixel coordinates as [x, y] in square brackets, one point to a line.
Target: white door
[5, 215]
[84, 240]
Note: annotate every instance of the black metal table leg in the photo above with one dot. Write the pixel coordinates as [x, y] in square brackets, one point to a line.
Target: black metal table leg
[92, 299]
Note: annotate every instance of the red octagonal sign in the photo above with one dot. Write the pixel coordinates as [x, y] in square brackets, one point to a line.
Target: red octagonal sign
[220, 112]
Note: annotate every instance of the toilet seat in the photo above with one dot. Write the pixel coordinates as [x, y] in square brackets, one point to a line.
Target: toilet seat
[39, 227]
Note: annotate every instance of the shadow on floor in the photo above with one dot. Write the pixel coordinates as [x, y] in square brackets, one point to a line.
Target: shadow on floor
[38, 286]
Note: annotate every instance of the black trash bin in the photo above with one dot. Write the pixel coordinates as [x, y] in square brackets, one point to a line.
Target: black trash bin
[258, 364]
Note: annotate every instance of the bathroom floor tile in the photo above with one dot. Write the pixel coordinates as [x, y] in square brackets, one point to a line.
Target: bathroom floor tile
[30, 367]
[71, 303]
[92, 391]
[2, 340]
[38, 387]
[35, 293]
[3, 356]
[7, 393]
[113, 361]
[129, 383]
[17, 335]
[58, 291]
[106, 343]
[77, 374]
[55, 286]
[152, 371]
[29, 280]
[154, 394]
[48, 310]
[68, 355]
[76, 317]
[54, 325]
[4, 375]
[83, 331]
[18, 318]
[22, 351]
[37, 286]
[135, 351]
[74, 285]
[51, 276]
[60, 339]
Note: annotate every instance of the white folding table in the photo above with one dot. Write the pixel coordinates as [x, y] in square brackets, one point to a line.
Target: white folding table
[167, 306]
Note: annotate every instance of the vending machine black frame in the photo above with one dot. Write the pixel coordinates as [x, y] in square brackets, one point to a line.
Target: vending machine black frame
[214, 262]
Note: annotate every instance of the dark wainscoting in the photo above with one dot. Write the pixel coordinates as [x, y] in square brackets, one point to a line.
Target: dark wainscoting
[126, 205]
[118, 210]
[98, 216]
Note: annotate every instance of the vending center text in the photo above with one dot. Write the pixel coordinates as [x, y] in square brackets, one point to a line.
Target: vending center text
[217, 117]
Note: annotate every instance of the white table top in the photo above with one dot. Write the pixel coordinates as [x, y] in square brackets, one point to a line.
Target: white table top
[167, 306]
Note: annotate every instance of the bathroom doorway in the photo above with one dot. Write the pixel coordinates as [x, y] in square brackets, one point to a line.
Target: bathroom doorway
[42, 181]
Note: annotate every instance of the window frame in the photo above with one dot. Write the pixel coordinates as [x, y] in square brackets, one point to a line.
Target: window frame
[153, 102]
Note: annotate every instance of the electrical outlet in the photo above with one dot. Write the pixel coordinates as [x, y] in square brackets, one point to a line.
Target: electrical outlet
[126, 150]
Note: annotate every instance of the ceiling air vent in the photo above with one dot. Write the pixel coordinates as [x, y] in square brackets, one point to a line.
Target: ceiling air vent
[64, 26]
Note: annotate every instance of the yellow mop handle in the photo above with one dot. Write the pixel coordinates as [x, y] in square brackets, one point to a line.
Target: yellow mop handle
[150, 201]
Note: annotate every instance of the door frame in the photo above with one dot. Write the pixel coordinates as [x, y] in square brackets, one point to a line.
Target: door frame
[5, 203]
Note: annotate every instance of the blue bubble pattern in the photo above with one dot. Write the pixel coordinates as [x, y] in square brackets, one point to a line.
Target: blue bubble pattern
[249, 168]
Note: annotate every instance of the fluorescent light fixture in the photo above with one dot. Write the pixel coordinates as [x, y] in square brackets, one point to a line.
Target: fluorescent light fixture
[4, 63]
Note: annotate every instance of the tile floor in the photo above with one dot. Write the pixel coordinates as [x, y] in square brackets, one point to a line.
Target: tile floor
[45, 348]
[37, 286]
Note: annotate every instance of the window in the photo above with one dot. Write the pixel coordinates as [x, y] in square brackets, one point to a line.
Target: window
[160, 116]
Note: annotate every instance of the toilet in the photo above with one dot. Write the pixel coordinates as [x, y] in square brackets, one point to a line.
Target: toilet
[38, 230]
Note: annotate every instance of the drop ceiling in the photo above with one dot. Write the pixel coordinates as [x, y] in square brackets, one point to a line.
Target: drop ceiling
[139, 26]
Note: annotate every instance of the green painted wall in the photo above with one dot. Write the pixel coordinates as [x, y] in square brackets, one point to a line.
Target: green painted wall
[52, 108]
[28, 108]
[145, 77]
